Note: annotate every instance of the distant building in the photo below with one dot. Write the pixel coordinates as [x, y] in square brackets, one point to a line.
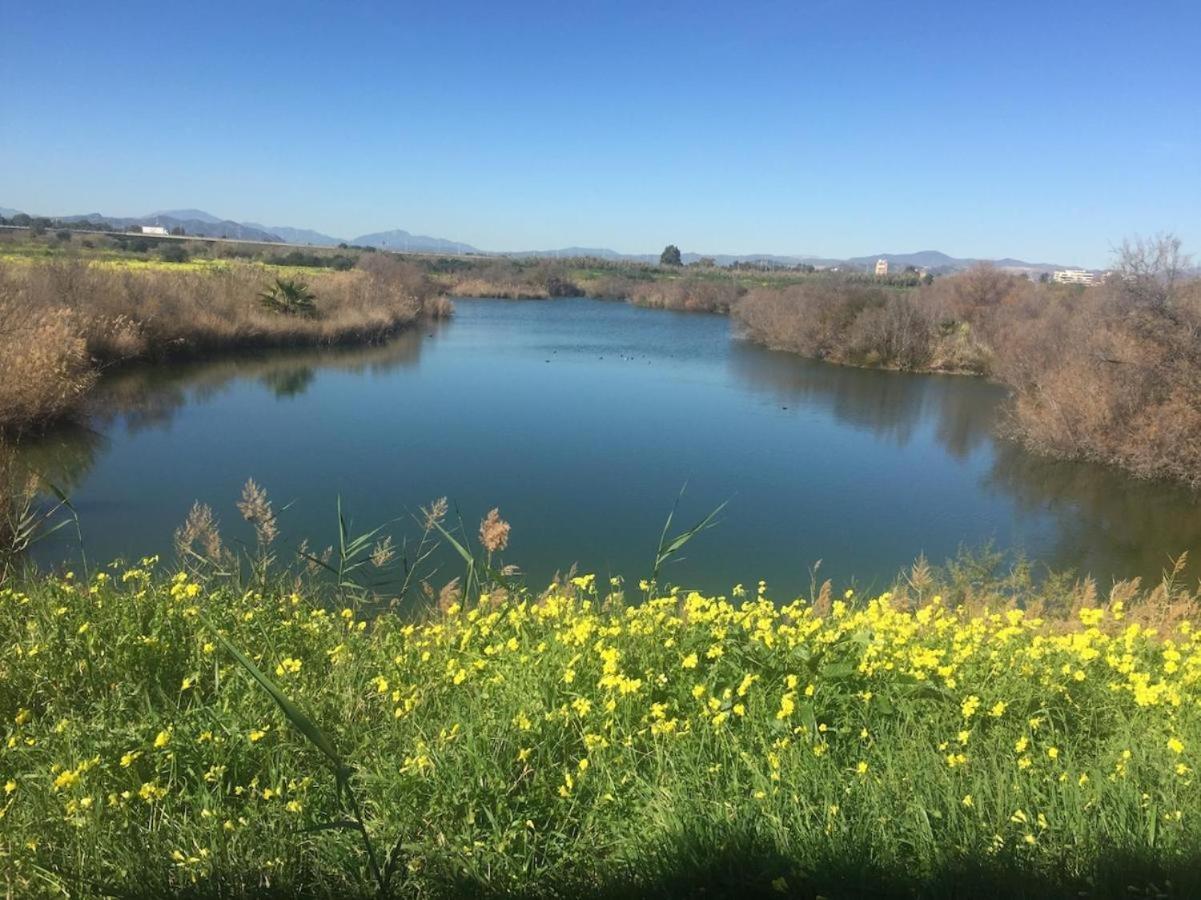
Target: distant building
[881, 267]
[1074, 276]
[154, 229]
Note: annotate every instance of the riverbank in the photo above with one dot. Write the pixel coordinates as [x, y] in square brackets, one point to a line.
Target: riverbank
[593, 741]
[63, 321]
[1109, 373]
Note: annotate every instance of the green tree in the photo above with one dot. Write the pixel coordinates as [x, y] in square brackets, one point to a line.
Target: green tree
[175, 253]
[670, 256]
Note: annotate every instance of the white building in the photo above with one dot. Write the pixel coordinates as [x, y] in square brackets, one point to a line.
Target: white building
[154, 229]
[881, 267]
[1074, 276]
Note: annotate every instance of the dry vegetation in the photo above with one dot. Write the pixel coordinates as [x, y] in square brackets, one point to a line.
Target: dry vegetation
[63, 320]
[689, 293]
[513, 280]
[1110, 373]
[1114, 374]
[711, 290]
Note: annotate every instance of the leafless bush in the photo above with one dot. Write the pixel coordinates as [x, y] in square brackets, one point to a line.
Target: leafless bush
[821, 319]
[1114, 374]
[1110, 373]
[611, 287]
[692, 294]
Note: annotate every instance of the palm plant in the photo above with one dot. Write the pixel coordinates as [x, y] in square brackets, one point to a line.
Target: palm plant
[291, 297]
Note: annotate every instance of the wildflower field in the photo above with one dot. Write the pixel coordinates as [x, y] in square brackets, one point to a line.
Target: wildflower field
[583, 741]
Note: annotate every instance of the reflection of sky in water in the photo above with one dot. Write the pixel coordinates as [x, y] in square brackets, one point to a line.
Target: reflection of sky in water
[581, 420]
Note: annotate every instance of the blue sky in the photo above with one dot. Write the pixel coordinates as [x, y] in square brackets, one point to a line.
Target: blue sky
[1046, 131]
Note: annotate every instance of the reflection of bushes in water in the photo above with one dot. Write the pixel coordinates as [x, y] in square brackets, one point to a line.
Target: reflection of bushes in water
[62, 456]
[149, 396]
[1106, 522]
[34, 477]
[289, 382]
[891, 406]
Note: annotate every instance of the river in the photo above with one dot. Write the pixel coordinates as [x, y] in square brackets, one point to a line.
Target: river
[582, 420]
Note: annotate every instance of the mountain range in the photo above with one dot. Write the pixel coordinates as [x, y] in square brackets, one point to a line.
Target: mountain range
[203, 224]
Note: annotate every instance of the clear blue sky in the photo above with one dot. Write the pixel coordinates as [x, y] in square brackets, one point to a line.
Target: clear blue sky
[1046, 131]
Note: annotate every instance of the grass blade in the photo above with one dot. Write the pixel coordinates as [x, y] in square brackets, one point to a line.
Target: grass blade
[296, 716]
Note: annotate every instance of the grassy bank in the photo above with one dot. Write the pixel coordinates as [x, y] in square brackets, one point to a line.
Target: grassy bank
[63, 320]
[592, 741]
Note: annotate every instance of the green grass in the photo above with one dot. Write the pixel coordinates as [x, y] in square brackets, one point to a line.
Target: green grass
[572, 743]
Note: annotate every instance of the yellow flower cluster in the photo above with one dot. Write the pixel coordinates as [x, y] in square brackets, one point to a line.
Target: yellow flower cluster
[550, 708]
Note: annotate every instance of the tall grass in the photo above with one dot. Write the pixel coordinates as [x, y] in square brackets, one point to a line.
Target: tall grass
[61, 321]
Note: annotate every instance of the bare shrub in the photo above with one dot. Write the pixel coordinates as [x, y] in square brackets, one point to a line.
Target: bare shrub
[611, 287]
[814, 318]
[691, 294]
[1113, 373]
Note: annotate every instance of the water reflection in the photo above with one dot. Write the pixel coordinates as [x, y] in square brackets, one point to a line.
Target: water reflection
[890, 405]
[145, 397]
[142, 398]
[63, 456]
[1106, 523]
[289, 383]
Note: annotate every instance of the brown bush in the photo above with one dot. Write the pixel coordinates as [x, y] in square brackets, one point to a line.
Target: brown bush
[1110, 373]
[1113, 373]
[44, 359]
[512, 280]
[611, 287]
[60, 320]
[482, 286]
[841, 321]
[691, 294]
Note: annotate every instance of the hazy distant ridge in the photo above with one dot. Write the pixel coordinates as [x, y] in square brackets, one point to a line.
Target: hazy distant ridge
[203, 224]
[403, 240]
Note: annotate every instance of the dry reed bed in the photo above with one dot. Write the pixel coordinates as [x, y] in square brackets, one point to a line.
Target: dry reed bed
[62, 321]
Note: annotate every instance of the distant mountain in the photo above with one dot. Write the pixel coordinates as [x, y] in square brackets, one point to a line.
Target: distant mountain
[226, 228]
[300, 235]
[9, 213]
[938, 262]
[727, 259]
[208, 226]
[404, 241]
[195, 215]
[579, 252]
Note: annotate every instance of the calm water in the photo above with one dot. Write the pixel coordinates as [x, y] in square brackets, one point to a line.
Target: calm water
[581, 420]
